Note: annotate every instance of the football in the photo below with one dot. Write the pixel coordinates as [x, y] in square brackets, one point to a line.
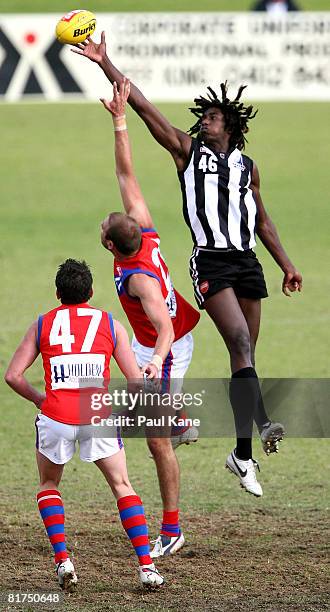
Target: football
[74, 27]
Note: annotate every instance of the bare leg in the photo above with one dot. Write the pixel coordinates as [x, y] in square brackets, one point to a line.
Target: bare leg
[251, 310]
[225, 310]
[114, 470]
[50, 473]
[168, 471]
[131, 511]
[167, 465]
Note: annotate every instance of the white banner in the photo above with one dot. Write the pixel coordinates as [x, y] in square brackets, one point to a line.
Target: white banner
[172, 56]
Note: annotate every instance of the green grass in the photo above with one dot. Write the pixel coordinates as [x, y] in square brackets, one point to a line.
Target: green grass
[57, 185]
[197, 462]
[54, 6]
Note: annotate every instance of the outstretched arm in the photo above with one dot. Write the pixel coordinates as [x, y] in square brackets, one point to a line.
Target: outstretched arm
[268, 235]
[175, 141]
[131, 194]
[147, 289]
[24, 356]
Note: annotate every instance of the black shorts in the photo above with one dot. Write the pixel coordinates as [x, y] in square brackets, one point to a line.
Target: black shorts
[212, 271]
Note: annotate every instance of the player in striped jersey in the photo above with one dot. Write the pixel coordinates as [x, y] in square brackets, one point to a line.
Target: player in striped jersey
[76, 343]
[224, 210]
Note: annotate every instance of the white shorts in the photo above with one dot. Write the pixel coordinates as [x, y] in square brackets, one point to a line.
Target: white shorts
[57, 441]
[175, 365]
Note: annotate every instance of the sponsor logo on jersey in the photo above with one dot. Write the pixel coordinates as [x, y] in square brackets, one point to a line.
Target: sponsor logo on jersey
[239, 164]
[77, 371]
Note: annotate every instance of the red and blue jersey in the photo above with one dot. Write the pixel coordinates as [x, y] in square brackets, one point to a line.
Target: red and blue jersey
[76, 343]
[148, 260]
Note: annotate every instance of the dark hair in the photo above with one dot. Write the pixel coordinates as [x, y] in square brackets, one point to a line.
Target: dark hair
[236, 115]
[124, 232]
[74, 282]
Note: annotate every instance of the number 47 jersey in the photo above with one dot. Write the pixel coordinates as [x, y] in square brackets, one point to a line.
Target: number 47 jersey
[148, 260]
[76, 343]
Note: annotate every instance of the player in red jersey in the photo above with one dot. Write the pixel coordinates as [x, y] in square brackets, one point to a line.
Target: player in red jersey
[76, 343]
[160, 317]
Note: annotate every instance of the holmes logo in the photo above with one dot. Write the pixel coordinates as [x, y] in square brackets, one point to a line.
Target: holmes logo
[81, 31]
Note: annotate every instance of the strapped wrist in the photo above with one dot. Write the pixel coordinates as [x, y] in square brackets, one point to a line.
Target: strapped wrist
[119, 123]
[157, 361]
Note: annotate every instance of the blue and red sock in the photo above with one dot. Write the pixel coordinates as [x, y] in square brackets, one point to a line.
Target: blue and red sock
[52, 513]
[134, 522]
[170, 525]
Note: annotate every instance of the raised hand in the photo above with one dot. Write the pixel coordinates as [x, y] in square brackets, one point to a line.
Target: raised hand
[118, 104]
[90, 49]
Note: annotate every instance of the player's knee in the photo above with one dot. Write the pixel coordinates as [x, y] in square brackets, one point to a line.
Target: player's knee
[119, 482]
[159, 446]
[240, 344]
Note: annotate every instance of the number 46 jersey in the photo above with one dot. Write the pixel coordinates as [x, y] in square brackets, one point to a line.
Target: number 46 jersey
[148, 260]
[76, 343]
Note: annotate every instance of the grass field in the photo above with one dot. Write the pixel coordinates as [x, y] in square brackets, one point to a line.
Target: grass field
[242, 554]
[59, 183]
[53, 6]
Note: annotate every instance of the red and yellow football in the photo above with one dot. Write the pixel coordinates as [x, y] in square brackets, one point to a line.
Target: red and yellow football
[74, 27]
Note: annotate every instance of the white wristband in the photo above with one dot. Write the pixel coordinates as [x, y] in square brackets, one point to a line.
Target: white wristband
[119, 123]
[157, 361]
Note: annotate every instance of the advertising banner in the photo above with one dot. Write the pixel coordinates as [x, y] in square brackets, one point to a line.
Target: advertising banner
[172, 56]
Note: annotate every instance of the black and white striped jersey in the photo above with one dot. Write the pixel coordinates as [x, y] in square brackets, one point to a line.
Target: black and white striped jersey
[218, 203]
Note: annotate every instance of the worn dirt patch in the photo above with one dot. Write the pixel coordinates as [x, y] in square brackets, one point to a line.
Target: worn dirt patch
[259, 562]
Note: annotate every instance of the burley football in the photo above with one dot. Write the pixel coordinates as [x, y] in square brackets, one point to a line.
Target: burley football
[74, 27]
